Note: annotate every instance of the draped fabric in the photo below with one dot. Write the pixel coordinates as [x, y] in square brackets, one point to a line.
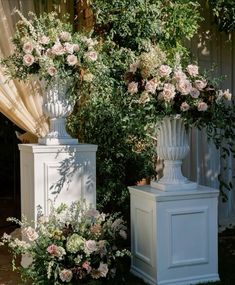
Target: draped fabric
[20, 102]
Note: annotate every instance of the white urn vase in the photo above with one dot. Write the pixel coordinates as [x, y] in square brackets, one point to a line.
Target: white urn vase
[172, 147]
[57, 106]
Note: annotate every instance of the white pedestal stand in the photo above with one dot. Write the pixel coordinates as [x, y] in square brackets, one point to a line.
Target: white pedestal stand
[174, 235]
[61, 173]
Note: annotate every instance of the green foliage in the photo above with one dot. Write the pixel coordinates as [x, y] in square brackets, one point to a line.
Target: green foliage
[224, 12]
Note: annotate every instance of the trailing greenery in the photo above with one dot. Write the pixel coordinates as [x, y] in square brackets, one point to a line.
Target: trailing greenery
[224, 12]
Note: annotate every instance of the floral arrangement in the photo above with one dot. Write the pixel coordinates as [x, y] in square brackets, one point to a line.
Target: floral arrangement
[46, 46]
[173, 90]
[73, 245]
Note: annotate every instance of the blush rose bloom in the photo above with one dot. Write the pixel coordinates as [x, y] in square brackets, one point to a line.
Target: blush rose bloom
[28, 59]
[30, 233]
[65, 36]
[179, 75]
[192, 69]
[194, 92]
[103, 269]
[91, 55]
[69, 48]
[151, 86]
[200, 84]
[184, 106]
[133, 87]
[168, 92]
[164, 70]
[58, 49]
[52, 70]
[72, 59]
[202, 106]
[76, 47]
[90, 246]
[44, 40]
[184, 87]
[28, 47]
[66, 275]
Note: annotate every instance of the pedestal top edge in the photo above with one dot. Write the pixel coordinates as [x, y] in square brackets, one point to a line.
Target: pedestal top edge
[38, 148]
[158, 195]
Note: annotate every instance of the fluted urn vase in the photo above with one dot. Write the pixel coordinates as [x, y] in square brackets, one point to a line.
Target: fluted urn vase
[57, 106]
[172, 147]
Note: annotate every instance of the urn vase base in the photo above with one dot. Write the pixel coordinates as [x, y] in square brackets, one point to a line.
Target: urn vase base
[57, 141]
[187, 186]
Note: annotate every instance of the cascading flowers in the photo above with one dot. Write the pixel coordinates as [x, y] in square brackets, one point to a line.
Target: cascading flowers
[73, 245]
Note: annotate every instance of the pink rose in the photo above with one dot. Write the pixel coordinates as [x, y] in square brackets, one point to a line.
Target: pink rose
[168, 92]
[227, 95]
[184, 106]
[179, 75]
[52, 70]
[72, 59]
[202, 106]
[184, 86]
[192, 69]
[133, 87]
[90, 246]
[58, 49]
[28, 59]
[91, 55]
[200, 84]
[44, 40]
[30, 233]
[28, 47]
[151, 86]
[52, 249]
[194, 92]
[69, 48]
[133, 67]
[66, 275]
[65, 36]
[164, 70]
[86, 265]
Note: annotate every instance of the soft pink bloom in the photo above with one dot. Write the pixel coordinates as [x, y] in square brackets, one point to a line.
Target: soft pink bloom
[194, 92]
[69, 48]
[86, 265]
[28, 59]
[66, 275]
[28, 47]
[168, 92]
[192, 69]
[164, 70]
[76, 47]
[184, 86]
[133, 67]
[65, 36]
[90, 246]
[227, 95]
[179, 75]
[30, 233]
[44, 40]
[200, 84]
[53, 249]
[91, 55]
[151, 86]
[103, 269]
[202, 106]
[58, 49]
[184, 106]
[72, 59]
[133, 87]
[52, 70]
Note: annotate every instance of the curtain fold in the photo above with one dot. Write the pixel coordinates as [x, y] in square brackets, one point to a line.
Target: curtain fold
[20, 102]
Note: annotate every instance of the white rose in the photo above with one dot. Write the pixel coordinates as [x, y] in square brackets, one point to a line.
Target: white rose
[65, 36]
[44, 40]
[192, 69]
[28, 59]
[30, 233]
[184, 106]
[103, 269]
[76, 47]
[133, 87]
[91, 55]
[90, 246]
[151, 86]
[58, 49]
[184, 87]
[66, 275]
[69, 48]
[164, 70]
[28, 47]
[202, 106]
[72, 59]
[200, 84]
[194, 92]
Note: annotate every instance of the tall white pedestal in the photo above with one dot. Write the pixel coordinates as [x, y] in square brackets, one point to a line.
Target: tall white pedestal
[63, 173]
[174, 235]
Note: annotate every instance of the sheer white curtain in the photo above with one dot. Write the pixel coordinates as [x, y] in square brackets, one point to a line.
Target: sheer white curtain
[20, 102]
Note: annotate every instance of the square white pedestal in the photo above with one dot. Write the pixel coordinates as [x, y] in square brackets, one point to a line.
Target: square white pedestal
[63, 173]
[174, 235]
